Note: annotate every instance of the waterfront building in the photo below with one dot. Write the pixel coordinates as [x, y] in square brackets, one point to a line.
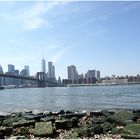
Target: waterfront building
[11, 68]
[90, 76]
[98, 74]
[1, 78]
[27, 69]
[72, 74]
[43, 65]
[23, 73]
[51, 70]
[1, 69]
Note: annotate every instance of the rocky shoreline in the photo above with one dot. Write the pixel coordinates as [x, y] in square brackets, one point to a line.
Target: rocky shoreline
[62, 124]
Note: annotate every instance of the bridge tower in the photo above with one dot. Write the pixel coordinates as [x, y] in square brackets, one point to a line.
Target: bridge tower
[41, 79]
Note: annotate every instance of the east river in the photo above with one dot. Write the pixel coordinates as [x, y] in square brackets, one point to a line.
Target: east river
[70, 98]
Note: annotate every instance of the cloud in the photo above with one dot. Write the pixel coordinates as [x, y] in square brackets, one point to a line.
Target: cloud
[32, 16]
[59, 55]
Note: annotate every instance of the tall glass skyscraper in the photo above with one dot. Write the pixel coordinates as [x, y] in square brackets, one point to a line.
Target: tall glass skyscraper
[43, 65]
[27, 69]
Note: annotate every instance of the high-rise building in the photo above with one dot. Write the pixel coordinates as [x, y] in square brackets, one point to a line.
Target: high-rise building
[91, 76]
[50, 70]
[98, 74]
[23, 73]
[27, 69]
[11, 68]
[43, 65]
[1, 78]
[1, 69]
[53, 72]
[72, 73]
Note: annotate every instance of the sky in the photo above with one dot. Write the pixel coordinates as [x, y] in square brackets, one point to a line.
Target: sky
[90, 35]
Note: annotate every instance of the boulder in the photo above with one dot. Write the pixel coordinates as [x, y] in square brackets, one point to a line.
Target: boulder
[24, 131]
[121, 118]
[48, 118]
[132, 129]
[23, 123]
[70, 115]
[5, 131]
[8, 121]
[17, 137]
[107, 126]
[43, 129]
[64, 124]
[83, 132]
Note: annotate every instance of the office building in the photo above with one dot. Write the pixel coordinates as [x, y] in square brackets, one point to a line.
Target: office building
[43, 66]
[11, 68]
[98, 74]
[72, 73]
[51, 70]
[27, 69]
[23, 73]
[1, 78]
[1, 69]
[90, 76]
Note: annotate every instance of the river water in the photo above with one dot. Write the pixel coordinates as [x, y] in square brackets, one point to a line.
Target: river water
[70, 98]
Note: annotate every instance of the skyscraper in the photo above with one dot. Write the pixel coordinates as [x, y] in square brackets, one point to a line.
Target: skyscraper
[98, 74]
[27, 69]
[1, 69]
[72, 73]
[43, 65]
[51, 70]
[11, 68]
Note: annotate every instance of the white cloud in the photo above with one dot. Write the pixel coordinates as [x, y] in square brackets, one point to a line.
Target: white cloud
[32, 16]
[59, 55]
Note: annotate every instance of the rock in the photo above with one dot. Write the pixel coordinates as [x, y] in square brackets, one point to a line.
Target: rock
[79, 115]
[24, 131]
[24, 123]
[98, 129]
[107, 126]
[17, 137]
[48, 118]
[96, 113]
[75, 121]
[99, 120]
[107, 113]
[132, 129]
[121, 118]
[127, 136]
[43, 129]
[64, 124]
[61, 112]
[83, 132]
[8, 121]
[73, 135]
[5, 131]
[34, 117]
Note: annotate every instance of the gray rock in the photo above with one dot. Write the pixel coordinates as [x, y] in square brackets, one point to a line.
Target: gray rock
[17, 137]
[5, 131]
[121, 118]
[63, 124]
[8, 121]
[24, 123]
[48, 118]
[43, 129]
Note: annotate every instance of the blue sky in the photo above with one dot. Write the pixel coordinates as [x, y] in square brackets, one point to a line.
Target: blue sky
[90, 35]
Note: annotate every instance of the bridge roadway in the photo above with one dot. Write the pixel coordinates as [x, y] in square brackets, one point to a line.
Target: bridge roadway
[40, 81]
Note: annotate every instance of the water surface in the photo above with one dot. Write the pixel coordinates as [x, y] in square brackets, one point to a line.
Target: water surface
[71, 98]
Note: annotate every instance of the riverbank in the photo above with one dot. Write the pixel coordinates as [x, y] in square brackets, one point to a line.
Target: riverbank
[71, 125]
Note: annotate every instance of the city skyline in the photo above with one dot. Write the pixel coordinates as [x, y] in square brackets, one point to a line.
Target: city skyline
[90, 35]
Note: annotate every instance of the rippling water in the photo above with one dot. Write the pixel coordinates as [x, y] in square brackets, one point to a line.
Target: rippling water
[71, 98]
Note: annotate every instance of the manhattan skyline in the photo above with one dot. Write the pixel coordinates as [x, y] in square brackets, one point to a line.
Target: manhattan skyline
[90, 35]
